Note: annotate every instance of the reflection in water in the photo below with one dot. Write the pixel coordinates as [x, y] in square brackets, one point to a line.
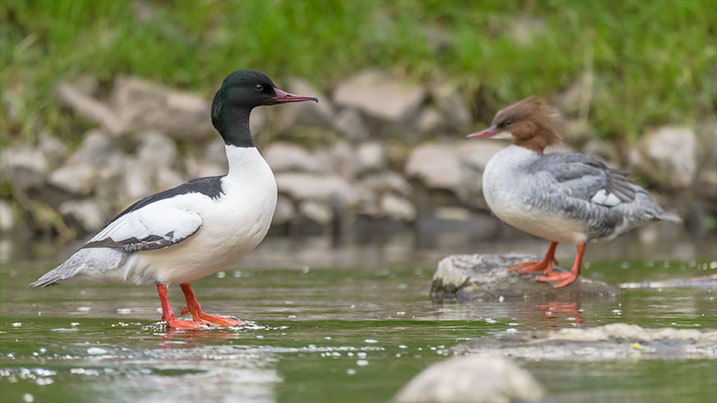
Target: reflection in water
[555, 312]
[320, 334]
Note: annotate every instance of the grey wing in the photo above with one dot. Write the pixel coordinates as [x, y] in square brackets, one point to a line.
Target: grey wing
[588, 179]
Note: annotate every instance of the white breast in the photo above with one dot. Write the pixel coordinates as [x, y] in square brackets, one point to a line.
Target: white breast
[233, 224]
[507, 188]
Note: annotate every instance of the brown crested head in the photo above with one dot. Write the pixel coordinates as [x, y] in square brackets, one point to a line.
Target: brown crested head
[531, 123]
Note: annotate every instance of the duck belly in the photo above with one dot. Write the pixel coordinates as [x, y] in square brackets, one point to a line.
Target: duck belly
[507, 190]
[545, 225]
[229, 231]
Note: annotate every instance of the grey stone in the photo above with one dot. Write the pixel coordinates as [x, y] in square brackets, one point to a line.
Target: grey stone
[23, 166]
[96, 155]
[668, 155]
[212, 161]
[320, 213]
[199, 167]
[284, 157]
[78, 179]
[436, 165]
[7, 217]
[380, 96]
[306, 113]
[471, 379]
[370, 157]
[477, 153]
[284, 212]
[454, 110]
[456, 167]
[341, 159]
[143, 105]
[429, 120]
[397, 208]
[486, 277]
[136, 180]
[386, 181]
[215, 151]
[349, 123]
[86, 106]
[95, 149]
[325, 188]
[615, 341]
[54, 150]
[166, 178]
[157, 149]
[86, 212]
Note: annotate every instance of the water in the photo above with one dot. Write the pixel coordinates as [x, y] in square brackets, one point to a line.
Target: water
[350, 324]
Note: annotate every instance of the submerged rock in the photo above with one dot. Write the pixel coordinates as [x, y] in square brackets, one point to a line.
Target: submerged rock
[471, 379]
[609, 342]
[708, 281]
[486, 277]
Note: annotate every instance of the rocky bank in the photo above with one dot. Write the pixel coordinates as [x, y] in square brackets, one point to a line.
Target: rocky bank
[376, 149]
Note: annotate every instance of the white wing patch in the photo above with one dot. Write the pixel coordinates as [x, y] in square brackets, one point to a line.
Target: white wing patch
[604, 198]
[162, 221]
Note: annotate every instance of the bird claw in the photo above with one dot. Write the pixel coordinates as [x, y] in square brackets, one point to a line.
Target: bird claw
[563, 278]
[178, 324]
[211, 320]
[531, 266]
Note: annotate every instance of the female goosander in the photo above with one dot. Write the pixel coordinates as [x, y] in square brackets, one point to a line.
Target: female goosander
[199, 227]
[569, 198]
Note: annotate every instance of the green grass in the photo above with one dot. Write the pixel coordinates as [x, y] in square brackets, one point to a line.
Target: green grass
[653, 61]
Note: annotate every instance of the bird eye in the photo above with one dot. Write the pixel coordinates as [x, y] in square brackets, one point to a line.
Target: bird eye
[508, 122]
[259, 87]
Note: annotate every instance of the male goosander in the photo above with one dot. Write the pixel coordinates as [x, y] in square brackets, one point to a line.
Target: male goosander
[199, 227]
[569, 198]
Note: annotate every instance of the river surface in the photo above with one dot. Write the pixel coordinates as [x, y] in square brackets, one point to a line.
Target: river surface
[333, 323]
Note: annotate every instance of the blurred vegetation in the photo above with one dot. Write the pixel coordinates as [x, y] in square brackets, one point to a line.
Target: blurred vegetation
[650, 62]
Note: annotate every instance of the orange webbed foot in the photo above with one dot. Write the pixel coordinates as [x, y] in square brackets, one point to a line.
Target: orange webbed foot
[559, 279]
[178, 324]
[201, 317]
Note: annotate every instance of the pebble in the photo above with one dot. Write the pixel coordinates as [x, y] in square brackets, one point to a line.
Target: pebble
[96, 351]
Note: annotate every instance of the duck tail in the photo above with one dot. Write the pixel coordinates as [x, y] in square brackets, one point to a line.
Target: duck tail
[52, 277]
[665, 216]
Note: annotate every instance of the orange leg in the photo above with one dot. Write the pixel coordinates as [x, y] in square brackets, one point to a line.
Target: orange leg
[168, 315]
[201, 317]
[546, 264]
[567, 278]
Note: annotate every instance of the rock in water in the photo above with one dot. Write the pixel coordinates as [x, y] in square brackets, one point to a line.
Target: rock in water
[608, 342]
[486, 277]
[471, 379]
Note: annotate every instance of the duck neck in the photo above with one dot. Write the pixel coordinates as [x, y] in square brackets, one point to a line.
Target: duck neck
[235, 130]
[243, 161]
